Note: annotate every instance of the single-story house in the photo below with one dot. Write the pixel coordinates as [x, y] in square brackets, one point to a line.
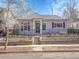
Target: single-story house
[36, 24]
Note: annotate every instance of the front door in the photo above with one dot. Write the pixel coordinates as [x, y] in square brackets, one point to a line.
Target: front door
[37, 27]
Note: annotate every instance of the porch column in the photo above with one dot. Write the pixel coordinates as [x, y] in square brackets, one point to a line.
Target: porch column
[33, 32]
[41, 27]
[23, 28]
[41, 30]
[20, 28]
[33, 27]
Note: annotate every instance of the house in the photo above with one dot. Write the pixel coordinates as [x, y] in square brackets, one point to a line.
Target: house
[74, 26]
[36, 24]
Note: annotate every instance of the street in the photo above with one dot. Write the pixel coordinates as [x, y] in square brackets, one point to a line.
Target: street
[41, 55]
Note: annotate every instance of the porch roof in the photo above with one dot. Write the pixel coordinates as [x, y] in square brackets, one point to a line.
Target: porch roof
[44, 17]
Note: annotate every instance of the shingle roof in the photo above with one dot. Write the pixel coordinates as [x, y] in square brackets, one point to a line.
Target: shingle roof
[35, 15]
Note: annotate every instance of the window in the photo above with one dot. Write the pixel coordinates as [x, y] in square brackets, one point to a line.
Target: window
[28, 26]
[59, 24]
[44, 26]
[25, 26]
[52, 24]
[21, 27]
[77, 26]
[56, 25]
[63, 24]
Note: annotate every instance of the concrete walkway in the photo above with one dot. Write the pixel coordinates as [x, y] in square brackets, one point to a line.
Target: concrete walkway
[42, 48]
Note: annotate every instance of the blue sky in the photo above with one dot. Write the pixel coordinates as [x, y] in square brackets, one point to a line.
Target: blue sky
[43, 7]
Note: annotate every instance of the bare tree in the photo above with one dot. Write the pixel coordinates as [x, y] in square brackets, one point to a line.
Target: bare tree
[14, 8]
[53, 2]
[20, 8]
[71, 11]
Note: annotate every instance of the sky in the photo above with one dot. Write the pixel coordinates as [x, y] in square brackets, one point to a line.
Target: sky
[43, 7]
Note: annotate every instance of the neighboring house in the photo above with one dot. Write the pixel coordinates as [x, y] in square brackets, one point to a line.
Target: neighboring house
[73, 26]
[41, 24]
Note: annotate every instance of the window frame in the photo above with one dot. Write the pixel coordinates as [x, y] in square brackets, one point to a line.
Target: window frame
[43, 26]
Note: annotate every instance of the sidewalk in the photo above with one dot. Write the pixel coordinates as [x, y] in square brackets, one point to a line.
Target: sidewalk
[40, 48]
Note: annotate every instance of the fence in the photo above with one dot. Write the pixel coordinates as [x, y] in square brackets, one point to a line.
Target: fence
[45, 38]
[37, 40]
[73, 31]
